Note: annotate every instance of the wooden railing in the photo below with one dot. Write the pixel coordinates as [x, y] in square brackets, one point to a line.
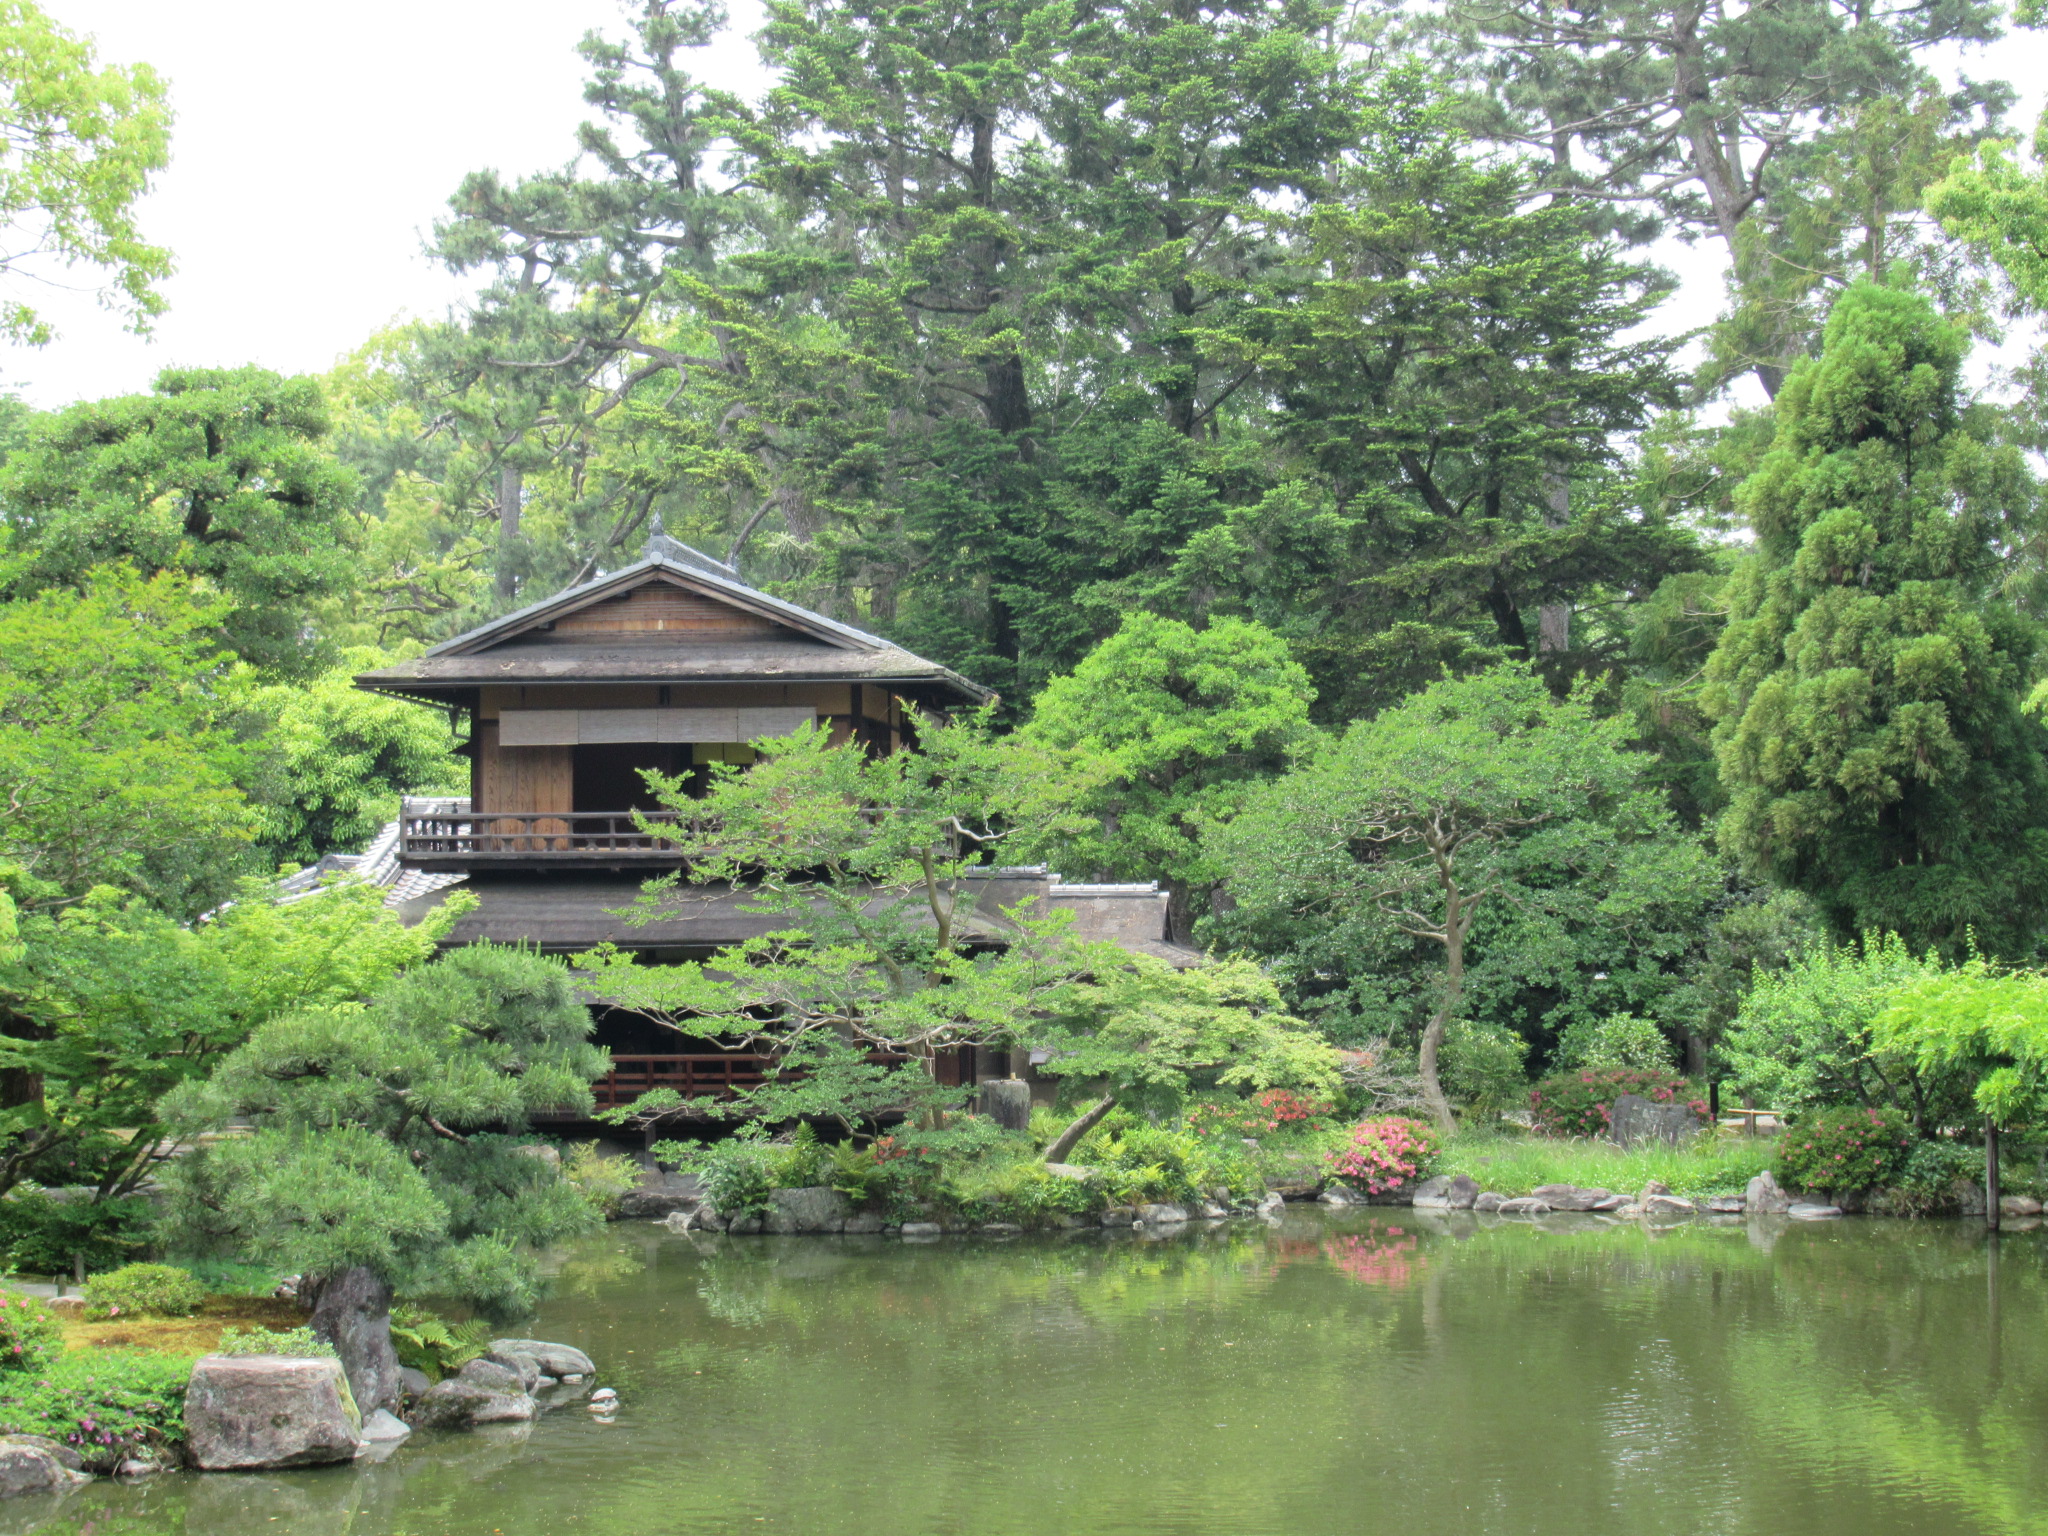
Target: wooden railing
[690, 1076]
[458, 837]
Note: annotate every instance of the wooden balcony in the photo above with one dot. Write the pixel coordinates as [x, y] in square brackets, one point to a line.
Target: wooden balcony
[463, 839]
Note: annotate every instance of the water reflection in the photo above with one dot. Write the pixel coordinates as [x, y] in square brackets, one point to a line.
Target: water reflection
[1353, 1372]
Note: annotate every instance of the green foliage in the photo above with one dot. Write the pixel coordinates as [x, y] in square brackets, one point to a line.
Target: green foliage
[1154, 1036]
[1844, 1149]
[1699, 1169]
[117, 1004]
[1802, 1038]
[1581, 1102]
[144, 1290]
[1483, 1069]
[1865, 691]
[337, 760]
[45, 1235]
[736, 1173]
[118, 762]
[1617, 1040]
[1141, 1163]
[84, 141]
[1925, 1183]
[432, 1345]
[600, 1179]
[1184, 719]
[302, 1343]
[1985, 1027]
[871, 867]
[1019, 1191]
[110, 1406]
[387, 1135]
[29, 1336]
[1481, 849]
[221, 474]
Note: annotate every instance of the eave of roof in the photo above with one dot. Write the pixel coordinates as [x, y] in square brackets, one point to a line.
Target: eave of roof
[490, 653]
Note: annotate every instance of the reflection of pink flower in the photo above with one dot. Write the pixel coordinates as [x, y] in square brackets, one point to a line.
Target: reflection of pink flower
[1390, 1260]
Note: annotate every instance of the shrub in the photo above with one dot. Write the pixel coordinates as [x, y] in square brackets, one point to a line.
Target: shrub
[47, 1236]
[302, 1342]
[1926, 1182]
[737, 1172]
[144, 1290]
[1386, 1153]
[1580, 1103]
[29, 1338]
[1276, 1111]
[1141, 1163]
[599, 1179]
[866, 1175]
[108, 1406]
[1617, 1040]
[1021, 1191]
[432, 1345]
[1483, 1070]
[1857, 1148]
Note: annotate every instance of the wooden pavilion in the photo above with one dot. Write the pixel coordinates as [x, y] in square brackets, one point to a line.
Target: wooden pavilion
[672, 663]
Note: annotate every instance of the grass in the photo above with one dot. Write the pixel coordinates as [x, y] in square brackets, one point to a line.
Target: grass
[1717, 1165]
[195, 1335]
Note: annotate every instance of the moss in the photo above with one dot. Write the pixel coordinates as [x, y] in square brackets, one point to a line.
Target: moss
[191, 1336]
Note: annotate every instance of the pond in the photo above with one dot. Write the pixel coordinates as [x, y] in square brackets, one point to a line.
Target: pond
[1344, 1372]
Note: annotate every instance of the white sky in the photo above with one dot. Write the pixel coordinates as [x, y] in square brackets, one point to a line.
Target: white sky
[315, 145]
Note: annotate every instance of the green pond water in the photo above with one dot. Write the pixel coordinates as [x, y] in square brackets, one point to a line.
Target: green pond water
[1347, 1372]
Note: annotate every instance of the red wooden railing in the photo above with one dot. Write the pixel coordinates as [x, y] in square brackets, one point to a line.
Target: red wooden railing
[690, 1076]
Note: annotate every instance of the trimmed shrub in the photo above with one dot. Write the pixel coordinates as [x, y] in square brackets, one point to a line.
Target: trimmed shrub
[143, 1290]
[108, 1406]
[1384, 1154]
[1855, 1148]
[1926, 1183]
[29, 1338]
[300, 1342]
[1581, 1103]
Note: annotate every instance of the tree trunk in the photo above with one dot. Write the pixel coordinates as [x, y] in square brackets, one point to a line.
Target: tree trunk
[1070, 1138]
[1457, 920]
[508, 529]
[1554, 620]
[352, 1311]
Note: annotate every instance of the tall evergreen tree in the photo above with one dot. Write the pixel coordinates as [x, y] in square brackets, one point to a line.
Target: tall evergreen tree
[1866, 691]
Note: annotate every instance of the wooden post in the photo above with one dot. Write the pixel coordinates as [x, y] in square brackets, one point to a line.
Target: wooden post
[1714, 1102]
[1990, 1174]
[1007, 1101]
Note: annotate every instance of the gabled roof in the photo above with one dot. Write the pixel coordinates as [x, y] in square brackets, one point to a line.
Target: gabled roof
[794, 644]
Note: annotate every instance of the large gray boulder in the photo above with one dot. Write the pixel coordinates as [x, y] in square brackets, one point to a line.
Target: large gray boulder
[817, 1209]
[459, 1404]
[659, 1194]
[1570, 1197]
[26, 1467]
[352, 1311]
[1762, 1197]
[1160, 1214]
[496, 1376]
[252, 1412]
[557, 1360]
[1632, 1119]
[1432, 1194]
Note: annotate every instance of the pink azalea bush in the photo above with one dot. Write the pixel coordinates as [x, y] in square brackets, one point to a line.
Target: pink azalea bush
[1844, 1149]
[1386, 1153]
[28, 1334]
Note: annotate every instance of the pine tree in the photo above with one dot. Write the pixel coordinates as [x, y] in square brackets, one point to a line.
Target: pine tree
[1866, 692]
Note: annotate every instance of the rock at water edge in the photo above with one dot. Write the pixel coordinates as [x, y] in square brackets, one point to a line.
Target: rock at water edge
[1487, 1202]
[385, 1428]
[1526, 1205]
[513, 1374]
[1161, 1215]
[2018, 1205]
[31, 1469]
[1569, 1197]
[458, 1404]
[816, 1209]
[557, 1360]
[1762, 1197]
[1432, 1194]
[1271, 1204]
[1806, 1210]
[917, 1229]
[252, 1412]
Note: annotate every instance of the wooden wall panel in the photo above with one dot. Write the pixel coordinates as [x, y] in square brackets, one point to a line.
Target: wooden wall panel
[523, 778]
[662, 609]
